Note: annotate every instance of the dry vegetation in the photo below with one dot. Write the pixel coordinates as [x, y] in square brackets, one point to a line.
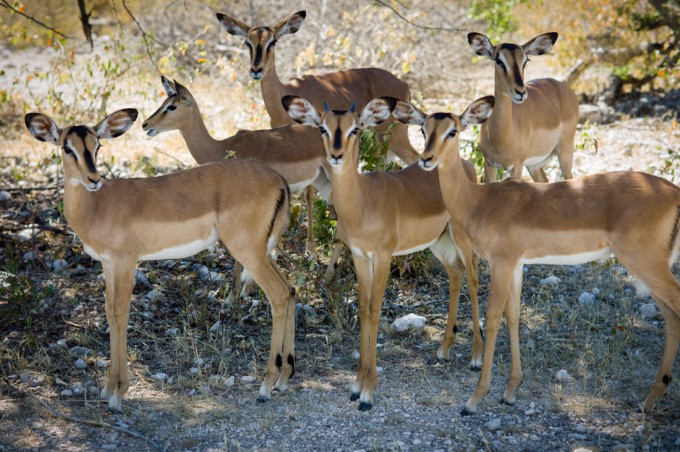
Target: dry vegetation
[603, 341]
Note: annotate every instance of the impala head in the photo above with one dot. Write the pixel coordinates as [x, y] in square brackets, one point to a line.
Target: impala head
[175, 111]
[261, 40]
[510, 60]
[80, 143]
[340, 128]
[442, 130]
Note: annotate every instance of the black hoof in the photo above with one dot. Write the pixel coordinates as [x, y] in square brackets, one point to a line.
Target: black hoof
[467, 412]
[262, 399]
[502, 401]
[475, 368]
[363, 406]
[354, 397]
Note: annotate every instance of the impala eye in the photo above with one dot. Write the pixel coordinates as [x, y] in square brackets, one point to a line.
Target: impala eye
[499, 62]
[354, 131]
[271, 44]
[68, 151]
[248, 44]
[452, 134]
[171, 107]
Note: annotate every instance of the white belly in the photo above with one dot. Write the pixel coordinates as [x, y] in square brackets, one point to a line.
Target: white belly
[569, 259]
[305, 183]
[414, 249]
[184, 250]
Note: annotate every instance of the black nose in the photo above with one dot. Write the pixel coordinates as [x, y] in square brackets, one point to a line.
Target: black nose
[145, 123]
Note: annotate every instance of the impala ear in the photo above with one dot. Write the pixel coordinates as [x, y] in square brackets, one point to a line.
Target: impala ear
[183, 93]
[233, 26]
[481, 45]
[408, 114]
[477, 112]
[290, 25]
[301, 111]
[116, 124]
[42, 127]
[168, 86]
[377, 111]
[540, 44]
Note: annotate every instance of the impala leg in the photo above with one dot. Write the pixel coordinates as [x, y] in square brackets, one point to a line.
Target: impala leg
[455, 273]
[565, 152]
[490, 172]
[120, 279]
[362, 268]
[537, 173]
[309, 195]
[333, 262]
[670, 348]
[235, 291]
[512, 312]
[501, 280]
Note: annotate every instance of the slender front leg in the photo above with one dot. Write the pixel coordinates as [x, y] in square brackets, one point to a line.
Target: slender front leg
[537, 173]
[490, 172]
[235, 291]
[512, 311]
[288, 342]
[309, 195]
[120, 280]
[333, 262]
[455, 273]
[501, 279]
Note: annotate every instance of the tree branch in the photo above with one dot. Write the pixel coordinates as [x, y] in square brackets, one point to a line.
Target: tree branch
[8, 6]
[147, 37]
[424, 27]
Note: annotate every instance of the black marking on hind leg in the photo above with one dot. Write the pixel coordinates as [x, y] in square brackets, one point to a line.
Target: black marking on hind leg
[364, 406]
[279, 361]
[281, 203]
[667, 379]
[291, 363]
[481, 332]
[354, 396]
[676, 225]
[455, 329]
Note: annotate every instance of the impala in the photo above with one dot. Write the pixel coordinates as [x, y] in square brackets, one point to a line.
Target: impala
[294, 151]
[385, 214]
[338, 89]
[529, 122]
[120, 222]
[635, 216]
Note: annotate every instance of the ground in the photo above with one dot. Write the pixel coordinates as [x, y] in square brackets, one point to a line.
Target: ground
[590, 345]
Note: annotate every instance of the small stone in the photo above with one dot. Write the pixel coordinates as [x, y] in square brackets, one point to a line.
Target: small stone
[59, 265]
[229, 382]
[493, 424]
[153, 295]
[577, 437]
[586, 298]
[677, 442]
[194, 370]
[356, 354]
[160, 376]
[248, 379]
[67, 393]
[109, 446]
[648, 311]
[563, 375]
[200, 362]
[80, 351]
[78, 389]
[409, 322]
[141, 278]
[80, 364]
[30, 256]
[581, 428]
[595, 291]
[215, 327]
[62, 343]
[5, 196]
[550, 281]
[172, 332]
[102, 363]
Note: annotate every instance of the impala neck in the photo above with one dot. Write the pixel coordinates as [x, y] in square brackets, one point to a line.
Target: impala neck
[272, 92]
[203, 147]
[348, 189]
[77, 204]
[501, 119]
[457, 189]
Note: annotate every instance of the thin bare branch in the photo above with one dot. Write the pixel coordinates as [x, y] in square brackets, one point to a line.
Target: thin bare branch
[147, 37]
[424, 27]
[33, 19]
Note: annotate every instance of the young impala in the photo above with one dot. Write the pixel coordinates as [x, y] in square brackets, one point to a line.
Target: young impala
[635, 216]
[294, 151]
[338, 89]
[529, 122]
[120, 222]
[385, 214]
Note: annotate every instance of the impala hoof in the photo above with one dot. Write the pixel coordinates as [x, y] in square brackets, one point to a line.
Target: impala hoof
[261, 399]
[354, 396]
[467, 412]
[365, 406]
[475, 367]
[502, 401]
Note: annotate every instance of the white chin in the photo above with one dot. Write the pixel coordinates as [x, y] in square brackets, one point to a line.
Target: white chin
[152, 132]
[427, 166]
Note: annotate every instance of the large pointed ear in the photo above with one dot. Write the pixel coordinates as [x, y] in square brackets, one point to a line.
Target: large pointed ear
[116, 124]
[301, 111]
[377, 111]
[233, 26]
[408, 114]
[168, 86]
[481, 45]
[540, 44]
[42, 127]
[477, 112]
[183, 93]
[291, 25]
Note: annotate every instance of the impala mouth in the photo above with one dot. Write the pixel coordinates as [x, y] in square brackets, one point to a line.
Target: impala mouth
[256, 75]
[519, 98]
[94, 185]
[152, 132]
[427, 164]
[336, 161]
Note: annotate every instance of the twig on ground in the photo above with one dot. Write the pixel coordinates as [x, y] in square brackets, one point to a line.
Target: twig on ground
[94, 422]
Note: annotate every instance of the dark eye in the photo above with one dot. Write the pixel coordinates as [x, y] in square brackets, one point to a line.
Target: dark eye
[499, 62]
[171, 108]
[271, 44]
[248, 44]
[68, 151]
[354, 131]
[451, 134]
[525, 63]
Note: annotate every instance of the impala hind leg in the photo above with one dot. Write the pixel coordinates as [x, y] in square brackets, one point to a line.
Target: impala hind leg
[455, 273]
[565, 151]
[333, 261]
[372, 274]
[670, 349]
[512, 312]
[501, 281]
[120, 280]
[537, 173]
[309, 196]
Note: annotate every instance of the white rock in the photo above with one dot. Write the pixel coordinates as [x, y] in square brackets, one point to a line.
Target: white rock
[493, 424]
[648, 311]
[172, 332]
[248, 379]
[5, 196]
[67, 393]
[215, 327]
[77, 389]
[141, 278]
[586, 298]
[409, 322]
[200, 362]
[356, 354]
[194, 370]
[62, 343]
[59, 265]
[595, 291]
[229, 382]
[153, 295]
[160, 376]
[102, 363]
[80, 364]
[550, 281]
[563, 375]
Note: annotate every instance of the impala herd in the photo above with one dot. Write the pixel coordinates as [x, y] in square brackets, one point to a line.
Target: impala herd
[434, 202]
